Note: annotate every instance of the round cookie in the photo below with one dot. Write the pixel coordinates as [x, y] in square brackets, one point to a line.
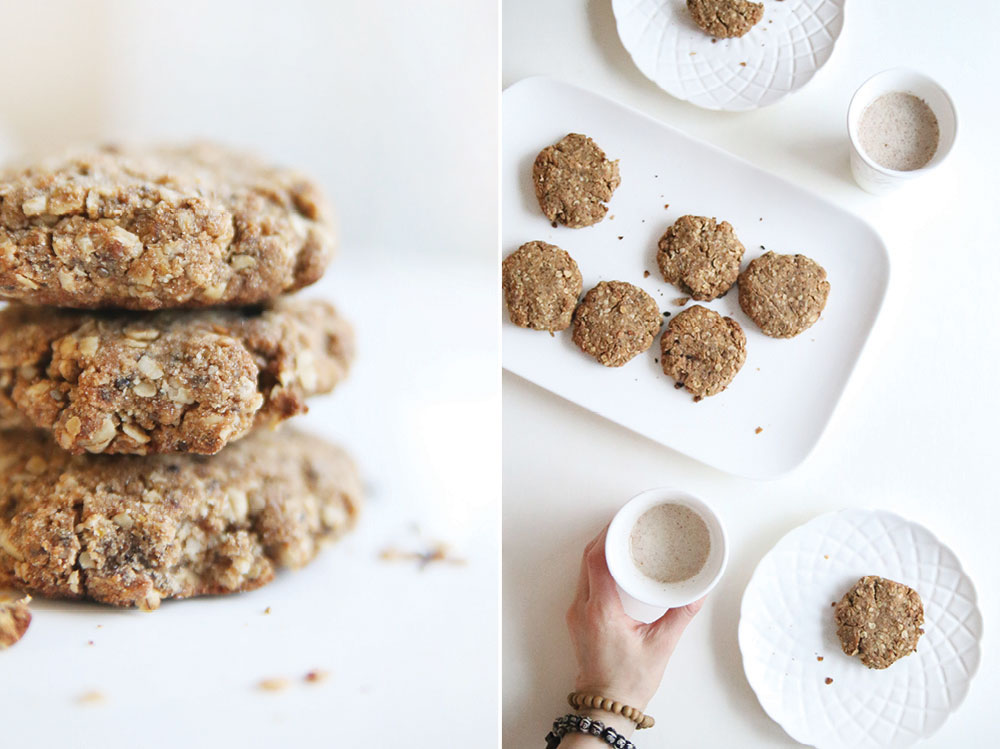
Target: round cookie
[573, 181]
[725, 18]
[702, 351]
[879, 621]
[783, 294]
[541, 285]
[188, 226]
[130, 531]
[169, 381]
[700, 257]
[615, 322]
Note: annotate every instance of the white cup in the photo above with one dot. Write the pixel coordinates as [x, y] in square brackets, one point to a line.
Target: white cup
[869, 174]
[644, 598]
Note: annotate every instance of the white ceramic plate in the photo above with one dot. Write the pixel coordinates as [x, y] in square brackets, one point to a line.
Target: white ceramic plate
[786, 623]
[777, 56]
[789, 388]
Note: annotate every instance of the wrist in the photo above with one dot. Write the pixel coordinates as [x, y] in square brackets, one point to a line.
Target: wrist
[620, 723]
[620, 693]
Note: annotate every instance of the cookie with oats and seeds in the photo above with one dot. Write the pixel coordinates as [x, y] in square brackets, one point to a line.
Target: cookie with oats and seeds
[879, 621]
[702, 351]
[783, 294]
[168, 381]
[725, 18]
[615, 322]
[541, 286]
[131, 531]
[700, 256]
[184, 226]
[574, 180]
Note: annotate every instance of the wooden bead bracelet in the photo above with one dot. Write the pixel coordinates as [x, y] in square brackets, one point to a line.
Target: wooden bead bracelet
[580, 701]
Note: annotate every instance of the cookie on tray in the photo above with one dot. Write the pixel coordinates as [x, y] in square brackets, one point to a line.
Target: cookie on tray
[143, 229]
[783, 294]
[725, 18]
[702, 351]
[541, 285]
[615, 322]
[879, 621]
[168, 381]
[574, 180]
[131, 531]
[700, 256]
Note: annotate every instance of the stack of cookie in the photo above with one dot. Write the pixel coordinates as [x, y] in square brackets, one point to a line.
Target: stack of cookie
[148, 329]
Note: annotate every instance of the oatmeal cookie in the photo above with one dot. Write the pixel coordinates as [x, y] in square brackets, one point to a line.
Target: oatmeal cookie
[541, 285]
[188, 226]
[725, 18]
[879, 621]
[573, 181]
[130, 531]
[783, 294]
[702, 351]
[700, 257]
[615, 322]
[168, 381]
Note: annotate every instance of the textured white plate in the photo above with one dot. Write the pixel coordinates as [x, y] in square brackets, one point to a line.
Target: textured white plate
[777, 56]
[786, 622]
[787, 387]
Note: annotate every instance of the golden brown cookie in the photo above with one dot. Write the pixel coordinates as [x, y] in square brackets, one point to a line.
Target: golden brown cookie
[615, 322]
[725, 18]
[187, 226]
[879, 621]
[783, 294]
[573, 181]
[541, 285]
[130, 531]
[700, 257]
[702, 351]
[169, 381]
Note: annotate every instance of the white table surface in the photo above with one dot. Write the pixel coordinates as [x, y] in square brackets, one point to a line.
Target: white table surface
[914, 434]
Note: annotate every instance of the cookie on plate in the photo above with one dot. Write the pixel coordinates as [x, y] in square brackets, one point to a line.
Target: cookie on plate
[783, 294]
[130, 531]
[541, 285]
[169, 381]
[879, 621]
[188, 226]
[574, 180]
[725, 18]
[615, 322]
[702, 351]
[700, 256]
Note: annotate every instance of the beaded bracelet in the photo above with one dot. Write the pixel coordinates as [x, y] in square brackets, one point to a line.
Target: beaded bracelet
[579, 701]
[583, 724]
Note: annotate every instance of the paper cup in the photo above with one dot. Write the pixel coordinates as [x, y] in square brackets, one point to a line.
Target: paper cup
[872, 176]
[644, 598]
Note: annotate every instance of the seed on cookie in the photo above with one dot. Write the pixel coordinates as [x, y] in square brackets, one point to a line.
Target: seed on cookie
[783, 294]
[702, 351]
[574, 180]
[700, 256]
[615, 322]
[725, 18]
[541, 285]
[879, 621]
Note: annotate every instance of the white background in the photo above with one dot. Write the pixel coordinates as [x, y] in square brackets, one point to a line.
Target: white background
[914, 434]
[393, 107]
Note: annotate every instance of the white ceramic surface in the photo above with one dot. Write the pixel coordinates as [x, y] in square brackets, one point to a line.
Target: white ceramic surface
[789, 388]
[869, 174]
[644, 598]
[787, 623]
[779, 55]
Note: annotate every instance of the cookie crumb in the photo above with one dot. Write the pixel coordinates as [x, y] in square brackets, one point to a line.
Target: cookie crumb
[743, 64]
[681, 301]
[819, 657]
[267, 610]
[273, 685]
[828, 680]
[621, 237]
[92, 697]
[666, 206]
[14, 618]
[316, 676]
[645, 273]
[758, 430]
[437, 553]
[666, 314]
[826, 556]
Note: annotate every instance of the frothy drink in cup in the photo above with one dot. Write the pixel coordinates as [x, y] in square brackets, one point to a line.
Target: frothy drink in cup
[670, 543]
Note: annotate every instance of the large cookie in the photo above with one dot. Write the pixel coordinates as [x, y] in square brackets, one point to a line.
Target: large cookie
[574, 180]
[879, 621]
[700, 256]
[725, 18]
[541, 285]
[615, 322]
[702, 351]
[783, 294]
[131, 531]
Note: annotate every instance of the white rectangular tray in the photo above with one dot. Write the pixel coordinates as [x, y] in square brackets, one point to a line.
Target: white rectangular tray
[788, 388]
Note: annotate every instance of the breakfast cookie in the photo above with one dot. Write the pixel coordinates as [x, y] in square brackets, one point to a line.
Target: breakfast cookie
[725, 18]
[131, 531]
[702, 351]
[541, 285]
[189, 226]
[783, 294]
[573, 181]
[614, 322]
[169, 381]
[879, 621]
[700, 257]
